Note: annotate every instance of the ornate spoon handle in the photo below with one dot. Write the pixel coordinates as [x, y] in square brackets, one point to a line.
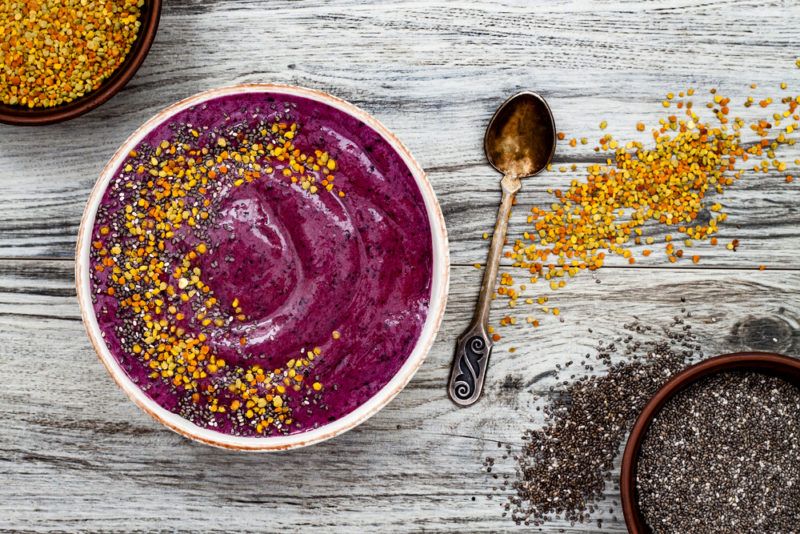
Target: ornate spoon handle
[474, 346]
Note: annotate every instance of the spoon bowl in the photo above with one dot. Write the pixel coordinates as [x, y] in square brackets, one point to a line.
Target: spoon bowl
[521, 137]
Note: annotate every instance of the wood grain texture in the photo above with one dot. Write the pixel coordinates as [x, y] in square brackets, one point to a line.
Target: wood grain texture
[78, 456]
[73, 461]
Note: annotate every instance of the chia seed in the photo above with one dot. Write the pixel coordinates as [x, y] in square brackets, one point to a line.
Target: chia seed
[563, 467]
[723, 456]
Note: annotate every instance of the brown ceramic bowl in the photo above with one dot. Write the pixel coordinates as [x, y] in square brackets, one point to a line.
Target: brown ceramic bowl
[763, 362]
[24, 116]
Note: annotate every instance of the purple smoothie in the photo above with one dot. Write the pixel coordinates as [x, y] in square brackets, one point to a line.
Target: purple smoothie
[250, 274]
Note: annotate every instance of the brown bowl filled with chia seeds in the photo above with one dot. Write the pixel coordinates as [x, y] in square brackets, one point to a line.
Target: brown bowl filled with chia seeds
[717, 449]
[63, 58]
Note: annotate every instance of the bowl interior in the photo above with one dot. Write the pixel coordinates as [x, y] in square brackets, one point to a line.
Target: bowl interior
[772, 364]
[439, 283]
[24, 116]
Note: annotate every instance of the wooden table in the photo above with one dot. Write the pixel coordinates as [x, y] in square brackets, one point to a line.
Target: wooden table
[78, 455]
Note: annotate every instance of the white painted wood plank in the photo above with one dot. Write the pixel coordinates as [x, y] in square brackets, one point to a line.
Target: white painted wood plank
[432, 71]
[78, 455]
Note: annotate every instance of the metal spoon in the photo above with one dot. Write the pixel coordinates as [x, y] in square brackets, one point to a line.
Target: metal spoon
[520, 141]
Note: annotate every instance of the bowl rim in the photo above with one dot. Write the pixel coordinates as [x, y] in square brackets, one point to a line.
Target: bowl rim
[438, 299]
[765, 362]
[22, 116]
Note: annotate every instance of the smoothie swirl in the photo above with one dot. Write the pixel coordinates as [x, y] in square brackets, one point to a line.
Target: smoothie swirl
[261, 264]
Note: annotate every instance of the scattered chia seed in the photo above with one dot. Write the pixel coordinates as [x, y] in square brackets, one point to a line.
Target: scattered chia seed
[723, 456]
[563, 468]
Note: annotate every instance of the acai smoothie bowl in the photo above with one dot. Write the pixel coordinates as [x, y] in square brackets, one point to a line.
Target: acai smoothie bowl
[262, 267]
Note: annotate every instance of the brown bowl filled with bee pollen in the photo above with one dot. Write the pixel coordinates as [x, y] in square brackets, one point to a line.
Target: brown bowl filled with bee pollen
[82, 55]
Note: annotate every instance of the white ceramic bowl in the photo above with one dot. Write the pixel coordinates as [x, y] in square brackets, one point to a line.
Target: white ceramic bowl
[439, 286]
